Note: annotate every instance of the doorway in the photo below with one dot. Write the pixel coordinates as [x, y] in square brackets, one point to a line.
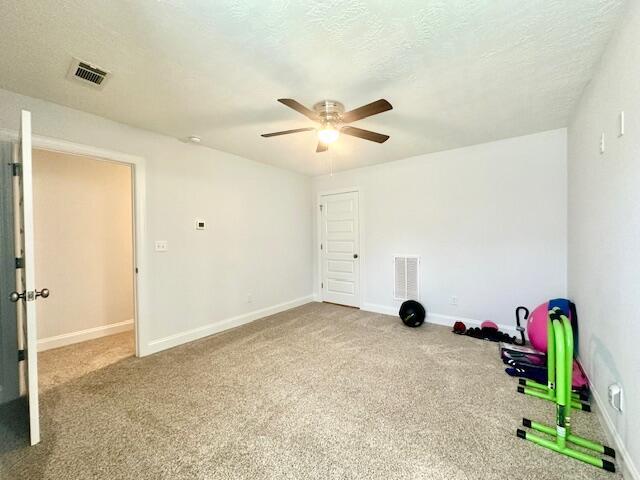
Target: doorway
[83, 223]
[21, 292]
[339, 248]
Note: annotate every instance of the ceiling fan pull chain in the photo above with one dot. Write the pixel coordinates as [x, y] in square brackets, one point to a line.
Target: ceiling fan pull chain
[331, 163]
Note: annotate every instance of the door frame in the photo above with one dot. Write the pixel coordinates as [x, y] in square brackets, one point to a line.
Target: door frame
[361, 253]
[138, 185]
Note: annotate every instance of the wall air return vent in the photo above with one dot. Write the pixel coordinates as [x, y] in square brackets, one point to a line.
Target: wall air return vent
[88, 74]
[406, 279]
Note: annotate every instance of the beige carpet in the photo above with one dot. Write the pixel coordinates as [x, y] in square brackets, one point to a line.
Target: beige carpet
[318, 392]
[62, 365]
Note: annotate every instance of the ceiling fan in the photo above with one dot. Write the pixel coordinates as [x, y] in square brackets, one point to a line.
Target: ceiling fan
[333, 121]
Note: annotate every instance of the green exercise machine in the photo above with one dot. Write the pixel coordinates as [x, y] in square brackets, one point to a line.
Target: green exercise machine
[548, 392]
[560, 347]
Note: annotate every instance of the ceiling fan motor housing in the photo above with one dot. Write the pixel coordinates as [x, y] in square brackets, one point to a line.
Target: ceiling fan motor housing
[330, 111]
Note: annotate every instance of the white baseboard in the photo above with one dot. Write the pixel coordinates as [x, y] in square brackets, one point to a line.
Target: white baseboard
[212, 328]
[370, 307]
[83, 335]
[437, 318]
[624, 462]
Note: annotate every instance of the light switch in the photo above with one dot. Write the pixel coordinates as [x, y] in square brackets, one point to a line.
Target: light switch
[162, 245]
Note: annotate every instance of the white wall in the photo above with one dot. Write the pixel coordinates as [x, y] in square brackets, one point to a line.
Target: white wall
[83, 247]
[489, 222]
[604, 228]
[258, 239]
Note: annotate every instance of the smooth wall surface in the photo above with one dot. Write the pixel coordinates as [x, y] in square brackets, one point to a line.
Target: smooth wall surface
[604, 229]
[253, 258]
[83, 243]
[489, 222]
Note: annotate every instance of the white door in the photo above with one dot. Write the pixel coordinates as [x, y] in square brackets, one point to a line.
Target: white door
[340, 249]
[26, 293]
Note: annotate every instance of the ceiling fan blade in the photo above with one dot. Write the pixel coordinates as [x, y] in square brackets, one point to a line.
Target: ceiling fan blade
[322, 147]
[366, 134]
[287, 132]
[298, 107]
[373, 108]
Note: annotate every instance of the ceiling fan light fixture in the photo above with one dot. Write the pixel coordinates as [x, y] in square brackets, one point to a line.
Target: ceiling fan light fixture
[328, 134]
[334, 121]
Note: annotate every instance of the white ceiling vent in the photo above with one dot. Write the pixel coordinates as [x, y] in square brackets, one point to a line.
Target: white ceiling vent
[88, 74]
[406, 284]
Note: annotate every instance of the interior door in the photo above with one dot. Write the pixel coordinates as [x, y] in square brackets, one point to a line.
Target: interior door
[340, 249]
[26, 294]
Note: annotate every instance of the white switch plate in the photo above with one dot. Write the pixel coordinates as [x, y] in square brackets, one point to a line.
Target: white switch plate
[454, 300]
[161, 245]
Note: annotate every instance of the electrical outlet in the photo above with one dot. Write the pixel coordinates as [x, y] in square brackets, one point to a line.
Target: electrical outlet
[453, 300]
[615, 397]
[249, 298]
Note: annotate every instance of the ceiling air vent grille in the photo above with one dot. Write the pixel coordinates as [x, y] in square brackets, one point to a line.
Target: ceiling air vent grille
[87, 73]
[406, 277]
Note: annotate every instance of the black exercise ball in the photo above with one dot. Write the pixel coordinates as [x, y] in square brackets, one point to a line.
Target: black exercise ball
[412, 313]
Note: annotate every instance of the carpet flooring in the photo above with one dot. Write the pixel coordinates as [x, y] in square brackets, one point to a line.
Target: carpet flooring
[65, 364]
[317, 392]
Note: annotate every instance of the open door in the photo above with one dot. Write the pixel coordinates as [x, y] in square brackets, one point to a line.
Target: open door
[25, 295]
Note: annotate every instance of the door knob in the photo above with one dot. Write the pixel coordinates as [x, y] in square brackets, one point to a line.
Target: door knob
[355, 255]
[44, 293]
[15, 296]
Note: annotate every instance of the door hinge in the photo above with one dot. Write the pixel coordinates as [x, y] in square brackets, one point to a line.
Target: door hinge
[21, 355]
[19, 263]
[321, 284]
[321, 206]
[320, 246]
[136, 269]
[16, 168]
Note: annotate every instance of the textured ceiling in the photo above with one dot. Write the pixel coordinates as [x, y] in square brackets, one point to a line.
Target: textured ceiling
[457, 72]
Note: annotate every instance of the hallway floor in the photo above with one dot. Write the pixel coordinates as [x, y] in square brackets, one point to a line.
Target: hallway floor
[61, 365]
